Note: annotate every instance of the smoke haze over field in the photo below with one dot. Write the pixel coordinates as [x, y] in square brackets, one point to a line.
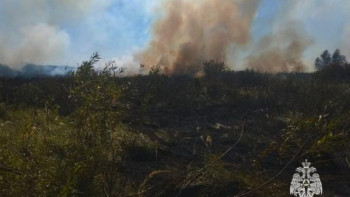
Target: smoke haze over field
[281, 51]
[177, 35]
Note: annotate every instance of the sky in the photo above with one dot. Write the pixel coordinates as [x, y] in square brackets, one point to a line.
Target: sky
[66, 32]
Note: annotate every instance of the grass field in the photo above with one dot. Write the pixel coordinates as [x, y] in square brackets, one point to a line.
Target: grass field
[92, 133]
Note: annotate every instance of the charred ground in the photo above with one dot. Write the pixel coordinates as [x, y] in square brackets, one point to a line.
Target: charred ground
[92, 133]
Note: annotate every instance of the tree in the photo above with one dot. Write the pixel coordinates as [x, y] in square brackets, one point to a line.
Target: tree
[338, 58]
[319, 65]
[323, 61]
[326, 58]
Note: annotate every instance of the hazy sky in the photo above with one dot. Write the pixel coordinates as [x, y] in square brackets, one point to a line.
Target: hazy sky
[65, 32]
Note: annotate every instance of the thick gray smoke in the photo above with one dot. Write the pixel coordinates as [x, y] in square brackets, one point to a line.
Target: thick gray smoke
[38, 43]
[193, 31]
[32, 31]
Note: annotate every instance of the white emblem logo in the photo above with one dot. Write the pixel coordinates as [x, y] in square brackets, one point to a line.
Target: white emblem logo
[306, 183]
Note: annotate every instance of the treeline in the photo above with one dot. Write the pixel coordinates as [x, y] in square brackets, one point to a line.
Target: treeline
[326, 59]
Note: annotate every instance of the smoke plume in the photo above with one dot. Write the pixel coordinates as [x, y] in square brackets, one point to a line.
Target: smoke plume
[193, 31]
[33, 31]
[265, 35]
[281, 51]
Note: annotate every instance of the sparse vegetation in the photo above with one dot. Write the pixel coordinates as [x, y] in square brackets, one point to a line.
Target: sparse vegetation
[93, 133]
